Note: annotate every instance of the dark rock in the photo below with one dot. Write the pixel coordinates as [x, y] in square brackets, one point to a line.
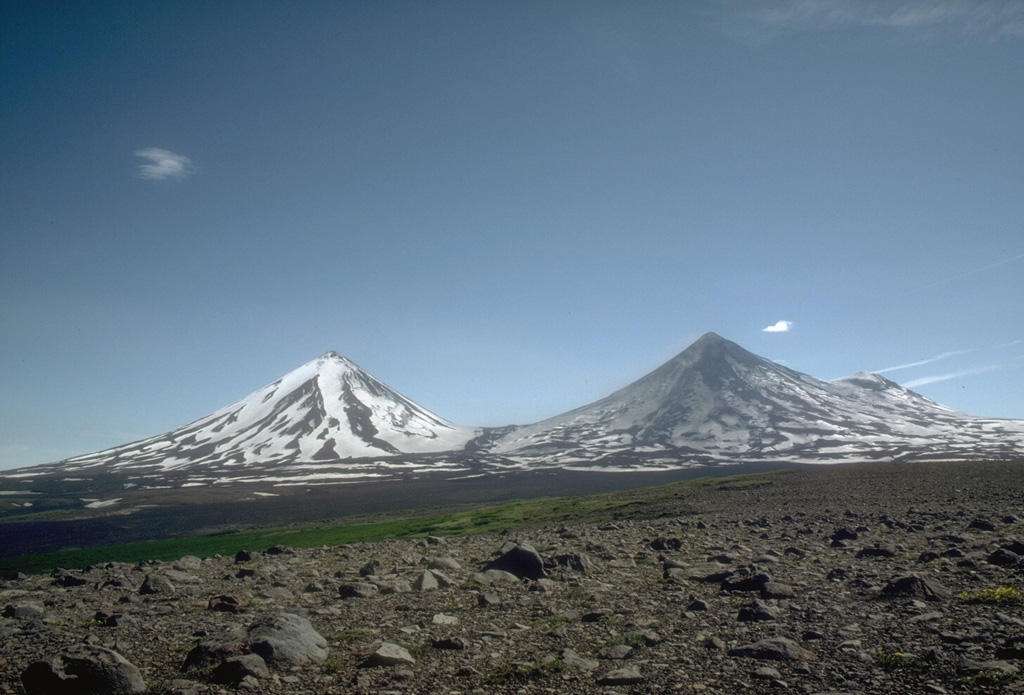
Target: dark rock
[371, 568]
[757, 611]
[357, 590]
[83, 670]
[915, 586]
[710, 572]
[746, 581]
[596, 616]
[225, 603]
[236, 668]
[665, 544]
[210, 653]
[243, 556]
[1003, 558]
[23, 610]
[455, 643]
[521, 560]
[488, 598]
[981, 524]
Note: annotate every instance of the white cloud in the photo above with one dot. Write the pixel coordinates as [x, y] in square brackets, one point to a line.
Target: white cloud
[779, 327]
[942, 356]
[990, 17]
[914, 383]
[163, 165]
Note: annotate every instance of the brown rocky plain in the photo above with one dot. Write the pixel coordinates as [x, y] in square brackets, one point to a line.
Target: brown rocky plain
[889, 578]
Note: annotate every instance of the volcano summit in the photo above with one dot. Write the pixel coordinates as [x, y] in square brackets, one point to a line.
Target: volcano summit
[713, 404]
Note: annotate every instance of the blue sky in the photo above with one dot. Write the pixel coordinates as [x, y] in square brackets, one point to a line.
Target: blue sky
[502, 210]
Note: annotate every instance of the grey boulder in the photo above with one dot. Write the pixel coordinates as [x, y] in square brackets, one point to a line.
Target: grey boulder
[83, 670]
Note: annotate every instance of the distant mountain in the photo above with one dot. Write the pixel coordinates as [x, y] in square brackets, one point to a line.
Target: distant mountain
[326, 410]
[717, 402]
[713, 404]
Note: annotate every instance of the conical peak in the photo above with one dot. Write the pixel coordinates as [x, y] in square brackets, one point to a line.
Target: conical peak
[710, 344]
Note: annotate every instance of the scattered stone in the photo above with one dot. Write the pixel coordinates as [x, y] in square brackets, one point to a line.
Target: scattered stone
[914, 585]
[83, 670]
[623, 676]
[615, 651]
[981, 524]
[357, 590]
[574, 661]
[225, 603]
[156, 584]
[390, 654]
[455, 643]
[288, 638]
[775, 649]
[426, 582]
[235, 669]
[29, 609]
[757, 611]
[521, 560]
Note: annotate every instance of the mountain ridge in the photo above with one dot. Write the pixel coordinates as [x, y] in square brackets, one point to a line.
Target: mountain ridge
[714, 403]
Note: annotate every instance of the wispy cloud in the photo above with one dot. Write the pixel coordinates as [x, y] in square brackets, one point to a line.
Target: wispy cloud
[914, 383]
[973, 17]
[778, 327]
[941, 356]
[163, 165]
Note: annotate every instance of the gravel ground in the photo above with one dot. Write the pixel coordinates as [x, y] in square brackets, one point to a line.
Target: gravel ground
[900, 578]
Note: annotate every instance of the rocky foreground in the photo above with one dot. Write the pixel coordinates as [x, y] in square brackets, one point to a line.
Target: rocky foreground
[880, 579]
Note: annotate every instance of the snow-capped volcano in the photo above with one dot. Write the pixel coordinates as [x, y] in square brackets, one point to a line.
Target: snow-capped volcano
[716, 401]
[713, 404]
[327, 409]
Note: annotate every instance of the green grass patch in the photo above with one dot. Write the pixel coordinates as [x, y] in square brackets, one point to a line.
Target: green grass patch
[891, 660]
[649, 502]
[998, 595]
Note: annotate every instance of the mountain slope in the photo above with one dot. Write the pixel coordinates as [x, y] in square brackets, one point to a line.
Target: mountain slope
[716, 400]
[715, 403]
[326, 410]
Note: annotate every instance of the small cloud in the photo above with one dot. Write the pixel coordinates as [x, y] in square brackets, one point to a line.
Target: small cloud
[779, 327]
[163, 165]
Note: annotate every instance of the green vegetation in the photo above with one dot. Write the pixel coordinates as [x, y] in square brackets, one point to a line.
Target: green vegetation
[355, 634]
[999, 595]
[518, 514]
[891, 660]
[527, 671]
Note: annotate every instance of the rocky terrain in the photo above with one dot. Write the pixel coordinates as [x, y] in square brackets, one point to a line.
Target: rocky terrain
[850, 579]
